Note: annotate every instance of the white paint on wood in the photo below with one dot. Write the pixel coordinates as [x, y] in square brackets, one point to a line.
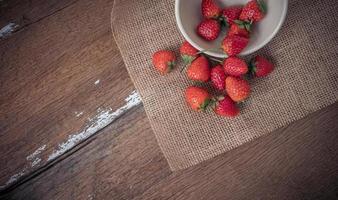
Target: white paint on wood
[35, 162]
[36, 153]
[14, 178]
[78, 114]
[7, 30]
[99, 121]
[34, 158]
[97, 81]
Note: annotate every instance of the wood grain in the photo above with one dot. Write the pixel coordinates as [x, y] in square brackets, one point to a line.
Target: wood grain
[120, 161]
[26, 12]
[47, 76]
[48, 73]
[124, 162]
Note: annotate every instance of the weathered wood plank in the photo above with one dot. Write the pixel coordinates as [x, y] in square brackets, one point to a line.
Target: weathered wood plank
[120, 161]
[62, 79]
[124, 162]
[18, 14]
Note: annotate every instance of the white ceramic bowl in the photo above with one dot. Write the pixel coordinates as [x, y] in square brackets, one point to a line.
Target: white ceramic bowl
[188, 16]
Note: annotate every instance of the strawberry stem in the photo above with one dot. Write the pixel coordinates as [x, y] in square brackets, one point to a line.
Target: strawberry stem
[182, 69]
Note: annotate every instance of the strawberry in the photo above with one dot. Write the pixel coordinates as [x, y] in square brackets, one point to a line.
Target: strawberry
[238, 89]
[217, 77]
[237, 29]
[234, 44]
[230, 14]
[226, 107]
[197, 98]
[199, 70]
[188, 53]
[235, 66]
[253, 11]
[260, 66]
[210, 9]
[164, 61]
[209, 29]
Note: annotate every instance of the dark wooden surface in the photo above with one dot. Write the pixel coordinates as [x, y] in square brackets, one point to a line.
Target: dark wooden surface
[47, 76]
[48, 69]
[124, 162]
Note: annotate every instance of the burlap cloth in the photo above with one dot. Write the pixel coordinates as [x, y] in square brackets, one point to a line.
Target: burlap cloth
[305, 53]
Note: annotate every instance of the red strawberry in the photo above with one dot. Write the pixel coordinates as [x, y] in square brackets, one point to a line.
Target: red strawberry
[235, 66]
[260, 66]
[240, 30]
[218, 77]
[197, 98]
[226, 107]
[230, 14]
[253, 11]
[209, 29]
[199, 69]
[233, 45]
[210, 9]
[188, 53]
[238, 89]
[164, 61]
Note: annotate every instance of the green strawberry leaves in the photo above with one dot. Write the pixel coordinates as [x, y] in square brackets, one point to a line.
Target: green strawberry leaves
[205, 104]
[239, 22]
[223, 22]
[244, 24]
[188, 59]
[252, 67]
[171, 66]
[262, 6]
[248, 27]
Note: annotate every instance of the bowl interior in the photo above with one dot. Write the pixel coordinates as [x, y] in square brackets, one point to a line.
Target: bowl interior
[188, 16]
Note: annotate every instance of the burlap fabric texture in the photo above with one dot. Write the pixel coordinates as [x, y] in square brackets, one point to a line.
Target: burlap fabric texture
[305, 52]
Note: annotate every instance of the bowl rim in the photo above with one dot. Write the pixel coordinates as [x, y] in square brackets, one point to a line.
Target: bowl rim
[220, 55]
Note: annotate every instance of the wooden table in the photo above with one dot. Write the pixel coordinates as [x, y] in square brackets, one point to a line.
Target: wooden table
[73, 127]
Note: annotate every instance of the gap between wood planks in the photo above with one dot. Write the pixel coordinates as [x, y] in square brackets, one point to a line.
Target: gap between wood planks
[13, 27]
[94, 125]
